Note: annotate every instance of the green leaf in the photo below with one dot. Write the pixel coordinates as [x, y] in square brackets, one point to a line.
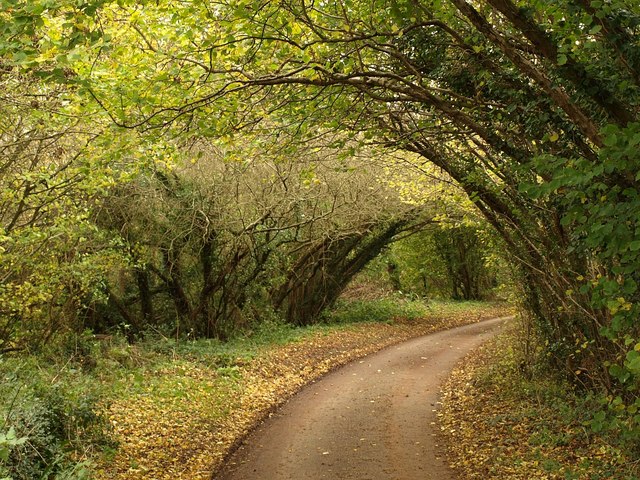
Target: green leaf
[634, 364]
[595, 29]
[611, 140]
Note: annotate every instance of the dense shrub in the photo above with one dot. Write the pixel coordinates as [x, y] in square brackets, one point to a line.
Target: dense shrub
[53, 413]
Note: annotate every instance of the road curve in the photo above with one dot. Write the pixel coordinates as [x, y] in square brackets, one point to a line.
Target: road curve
[370, 420]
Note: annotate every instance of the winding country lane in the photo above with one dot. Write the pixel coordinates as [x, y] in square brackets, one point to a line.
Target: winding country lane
[373, 419]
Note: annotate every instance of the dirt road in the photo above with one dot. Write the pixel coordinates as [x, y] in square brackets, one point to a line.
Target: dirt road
[371, 420]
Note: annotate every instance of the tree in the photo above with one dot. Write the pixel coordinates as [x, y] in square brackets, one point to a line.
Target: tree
[233, 235]
[58, 155]
[51, 256]
[490, 93]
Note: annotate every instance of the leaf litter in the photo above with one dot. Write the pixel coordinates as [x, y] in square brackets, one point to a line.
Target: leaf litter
[497, 424]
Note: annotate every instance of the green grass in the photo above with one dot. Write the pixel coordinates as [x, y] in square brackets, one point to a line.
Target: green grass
[130, 368]
[395, 307]
[380, 310]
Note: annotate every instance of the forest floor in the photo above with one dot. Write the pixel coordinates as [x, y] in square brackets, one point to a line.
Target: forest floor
[180, 415]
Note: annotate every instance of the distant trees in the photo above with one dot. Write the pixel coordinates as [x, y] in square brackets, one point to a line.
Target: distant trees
[444, 260]
[465, 262]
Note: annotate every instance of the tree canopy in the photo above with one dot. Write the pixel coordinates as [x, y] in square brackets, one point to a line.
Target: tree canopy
[530, 108]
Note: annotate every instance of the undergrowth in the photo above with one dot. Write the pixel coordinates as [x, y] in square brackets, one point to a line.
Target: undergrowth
[51, 418]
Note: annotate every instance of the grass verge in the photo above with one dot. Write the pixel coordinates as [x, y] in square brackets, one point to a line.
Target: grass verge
[499, 422]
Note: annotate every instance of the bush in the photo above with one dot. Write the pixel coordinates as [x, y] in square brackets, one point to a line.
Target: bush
[52, 420]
